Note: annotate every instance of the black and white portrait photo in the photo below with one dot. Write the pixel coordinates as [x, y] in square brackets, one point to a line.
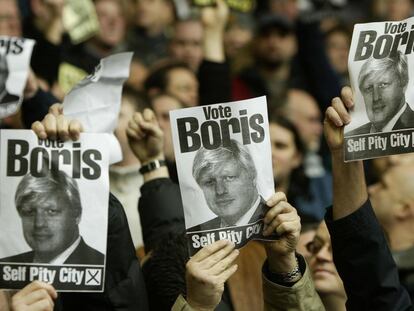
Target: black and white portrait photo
[5, 96]
[383, 83]
[50, 211]
[227, 176]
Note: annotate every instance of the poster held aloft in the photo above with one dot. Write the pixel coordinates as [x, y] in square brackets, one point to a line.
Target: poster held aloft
[15, 54]
[225, 170]
[381, 65]
[53, 215]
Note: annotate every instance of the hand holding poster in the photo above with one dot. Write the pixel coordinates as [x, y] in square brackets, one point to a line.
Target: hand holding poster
[15, 56]
[380, 66]
[225, 170]
[52, 212]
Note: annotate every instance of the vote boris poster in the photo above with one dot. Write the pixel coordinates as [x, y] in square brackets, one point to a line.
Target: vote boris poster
[15, 56]
[381, 69]
[224, 169]
[53, 215]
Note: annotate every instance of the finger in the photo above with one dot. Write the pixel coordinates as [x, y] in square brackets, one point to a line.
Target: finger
[132, 124]
[279, 219]
[281, 207]
[333, 116]
[149, 116]
[226, 274]
[133, 134]
[75, 129]
[152, 129]
[339, 107]
[139, 119]
[56, 109]
[210, 249]
[134, 130]
[226, 262]
[39, 130]
[347, 97]
[37, 295]
[219, 255]
[62, 125]
[42, 305]
[276, 198]
[37, 285]
[288, 227]
[50, 125]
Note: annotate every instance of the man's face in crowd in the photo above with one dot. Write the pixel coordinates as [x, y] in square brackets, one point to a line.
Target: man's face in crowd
[235, 39]
[274, 47]
[383, 96]
[183, 84]
[337, 48]
[397, 10]
[285, 156]
[186, 45]
[392, 194]
[10, 19]
[325, 275]
[228, 189]
[49, 226]
[381, 165]
[287, 8]
[305, 114]
[304, 239]
[150, 13]
[111, 22]
[162, 106]
[3, 72]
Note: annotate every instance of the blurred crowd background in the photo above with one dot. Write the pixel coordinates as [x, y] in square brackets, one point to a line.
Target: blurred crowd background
[293, 51]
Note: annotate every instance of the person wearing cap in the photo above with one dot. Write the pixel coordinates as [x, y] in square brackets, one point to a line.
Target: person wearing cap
[273, 48]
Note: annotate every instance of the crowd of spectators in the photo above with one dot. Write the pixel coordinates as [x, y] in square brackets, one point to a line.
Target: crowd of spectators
[353, 248]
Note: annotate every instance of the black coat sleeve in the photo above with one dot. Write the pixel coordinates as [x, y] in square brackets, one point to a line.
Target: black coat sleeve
[323, 82]
[124, 282]
[161, 211]
[215, 83]
[37, 107]
[365, 263]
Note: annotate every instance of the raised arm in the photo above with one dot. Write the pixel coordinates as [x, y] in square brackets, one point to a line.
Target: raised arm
[350, 190]
[359, 247]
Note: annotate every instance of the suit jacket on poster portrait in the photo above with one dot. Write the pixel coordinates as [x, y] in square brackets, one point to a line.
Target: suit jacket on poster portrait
[216, 222]
[8, 98]
[405, 121]
[83, 255]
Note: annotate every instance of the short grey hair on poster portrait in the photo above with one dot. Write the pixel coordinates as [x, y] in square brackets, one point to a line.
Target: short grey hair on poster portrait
[233, 151]
[55, 184]
[395, 62]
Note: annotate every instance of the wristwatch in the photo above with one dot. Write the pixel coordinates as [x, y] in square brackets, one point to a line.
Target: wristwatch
[152, 166]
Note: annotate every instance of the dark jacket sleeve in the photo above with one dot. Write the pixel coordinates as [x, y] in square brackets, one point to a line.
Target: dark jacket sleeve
[215, 83]
[124, 283]
[324, 83]
[37, 107]
[364, 262]
[161, 210]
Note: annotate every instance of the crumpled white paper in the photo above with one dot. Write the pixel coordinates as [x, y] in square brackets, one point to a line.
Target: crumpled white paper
[96, 100]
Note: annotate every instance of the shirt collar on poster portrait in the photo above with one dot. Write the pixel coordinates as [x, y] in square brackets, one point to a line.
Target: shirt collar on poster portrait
[390, 125]
[244, 220]
[3, 94]
[62, 257]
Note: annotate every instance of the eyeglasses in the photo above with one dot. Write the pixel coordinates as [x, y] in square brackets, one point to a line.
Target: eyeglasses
[316, 245]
